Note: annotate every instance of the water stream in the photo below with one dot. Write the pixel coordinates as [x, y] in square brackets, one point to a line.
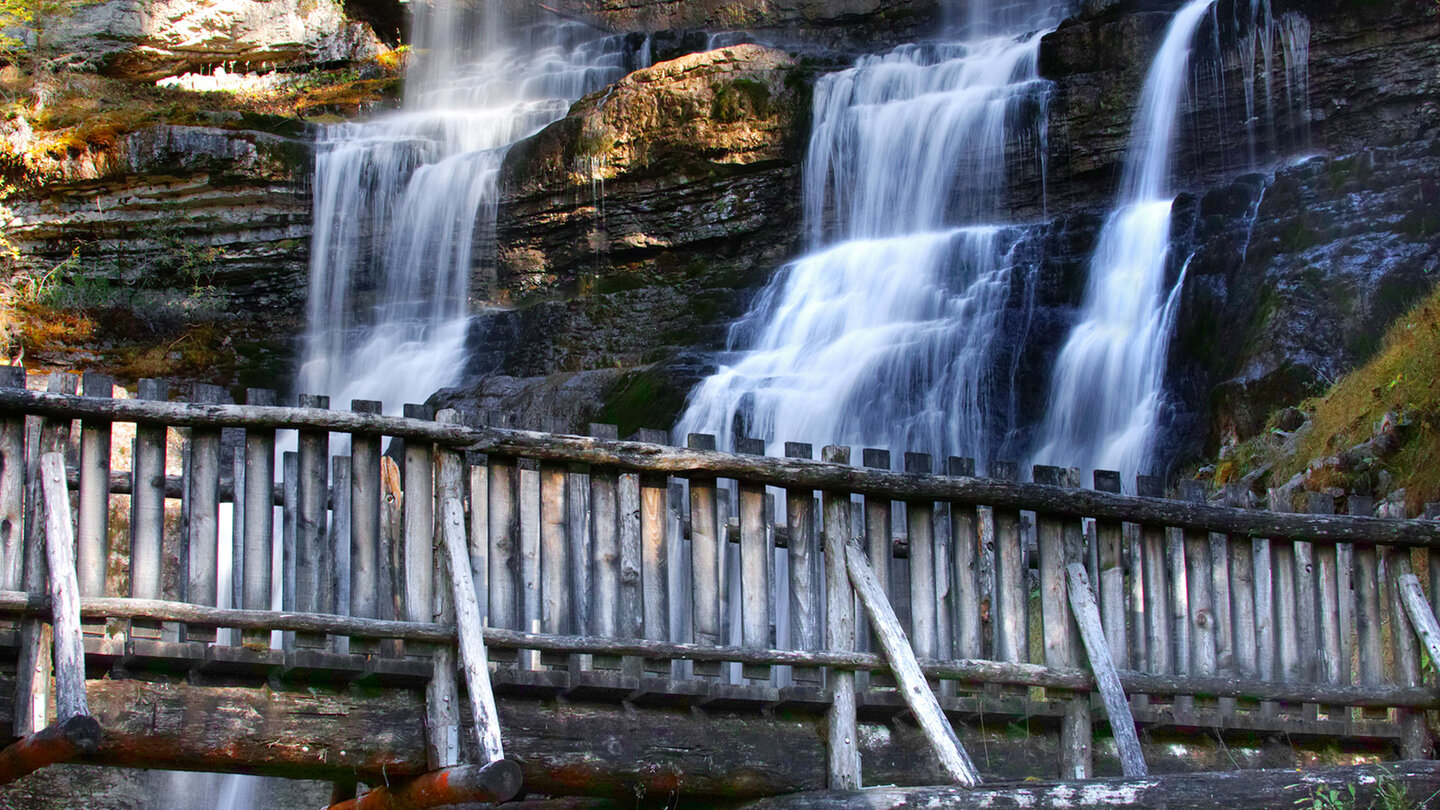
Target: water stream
[1107, 389]
[888, 332]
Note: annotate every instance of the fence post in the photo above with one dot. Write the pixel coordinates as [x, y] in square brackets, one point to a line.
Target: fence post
[844, 756]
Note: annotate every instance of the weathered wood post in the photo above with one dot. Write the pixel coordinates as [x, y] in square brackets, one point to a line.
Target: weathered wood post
[12, 487]
[202, 514]
[969, 560]
[1097, 648]
[754, 565]
[706, 557]
[64, 591]
[366, 562]
[1061, 637]
[259, 538]
[844, 745]
[804, 565]
[147, 511]
[1011, 622]
[92, 526]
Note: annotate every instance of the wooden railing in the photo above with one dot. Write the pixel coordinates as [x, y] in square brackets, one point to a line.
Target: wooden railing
[630, 569]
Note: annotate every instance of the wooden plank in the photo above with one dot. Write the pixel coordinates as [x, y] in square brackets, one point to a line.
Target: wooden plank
[1108, 541]
[1422, 618]
[337, 549]
[1158, 643]
[494, 783]
[1287, 622]
[392, 522]
[920, 529]
[1058, 543]
[480, 532]
[1011, 622]
[419, 514]
[769, 471]
[503, 509]
[289, 517]
[1201, 599]
[1368, 618]
[1329, 664]
[365, 546]
[64, 592]
[879, 535]
[147, 507]
[579, 541]
[968, 557]
[754, 563]
[705, 555]
[92, 525]
[1097, 647]
[605, 533]
[12, 486]
[943, 743]
[442, 692]
[530, 596]
[1241, 551]
[259, 538]
[655, 549]
[312, 558]
[202, 512]
[237, 538]
[1415, 740]
[804, 560]
[843, 738]
[555, 615]
[631, 617]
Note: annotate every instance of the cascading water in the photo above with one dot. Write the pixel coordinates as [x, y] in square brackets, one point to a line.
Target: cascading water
[1108, 385]
[405, 205]
[887, 333]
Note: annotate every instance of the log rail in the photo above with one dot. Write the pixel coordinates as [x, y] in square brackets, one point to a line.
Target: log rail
[596, 577]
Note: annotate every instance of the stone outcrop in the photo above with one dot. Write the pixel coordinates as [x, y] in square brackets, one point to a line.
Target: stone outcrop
[151, 39]
[637, 223]
[848, 23]
[179, 225]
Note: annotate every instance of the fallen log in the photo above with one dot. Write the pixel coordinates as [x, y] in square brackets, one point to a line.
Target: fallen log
[496, 782]
[1253, 790]
[61, 742]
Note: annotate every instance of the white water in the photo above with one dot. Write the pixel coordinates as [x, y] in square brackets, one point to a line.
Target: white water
[405, 205]
[886, 333]
[1108, 385]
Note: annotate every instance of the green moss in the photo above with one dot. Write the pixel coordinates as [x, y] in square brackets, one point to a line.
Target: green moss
[739, 99]
[644, 398]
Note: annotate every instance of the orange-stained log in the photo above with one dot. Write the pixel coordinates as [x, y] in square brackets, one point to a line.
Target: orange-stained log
[494, 783]
[58, 743]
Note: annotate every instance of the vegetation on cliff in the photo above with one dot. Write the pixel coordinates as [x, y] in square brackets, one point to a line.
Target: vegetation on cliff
[1376, 430]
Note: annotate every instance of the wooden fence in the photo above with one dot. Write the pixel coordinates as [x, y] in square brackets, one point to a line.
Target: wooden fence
[638, 571]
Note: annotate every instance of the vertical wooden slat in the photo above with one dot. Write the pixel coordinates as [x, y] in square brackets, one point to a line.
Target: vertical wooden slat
[1158, 644]
[503, 509]
[754, 567]
[879, 539]
[1241, 551]
[655, 550]
[1201, 598]
[237, 538]
[12, 487]
[92, 525]
[604, 517]
[442, 695]
[1330, 667]
[289, 516]
[1368, 618]
[1415, 740]
[632, 601]
[64, 591]
[337, 546]
[202, 513]
[147, 510]
[965, 537]
[1059, 542]
[554, 566]
[391, 577]
[1283, 570]
[530, 605]
[1108, 539]
[1097, 647]
[419, 511]
[312, 558]
[705, 557]
[579, 540]
[259, 539]
[1011, 622]
[804, 559]
[843, 742]
[365, 564]
[920, 529]
[479, 535]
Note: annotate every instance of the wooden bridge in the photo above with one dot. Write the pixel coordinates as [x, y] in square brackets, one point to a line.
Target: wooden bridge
[631, 620]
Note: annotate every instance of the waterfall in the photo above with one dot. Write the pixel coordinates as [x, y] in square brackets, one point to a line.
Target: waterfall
[888, 332]
[1108, 385]
[405, 205]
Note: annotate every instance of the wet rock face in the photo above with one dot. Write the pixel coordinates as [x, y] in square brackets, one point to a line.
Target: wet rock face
[181, 225]
[151, 39]
[638, 222]
[845, 23]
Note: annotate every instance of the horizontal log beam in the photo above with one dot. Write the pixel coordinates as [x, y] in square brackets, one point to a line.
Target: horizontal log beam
[781, 472]
[497, 782]
[966, 671]
[60, 742]
[1254, 790]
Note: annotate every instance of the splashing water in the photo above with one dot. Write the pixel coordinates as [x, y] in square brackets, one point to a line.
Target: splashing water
[888, 332]
[405, 205]
[1108, 385]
